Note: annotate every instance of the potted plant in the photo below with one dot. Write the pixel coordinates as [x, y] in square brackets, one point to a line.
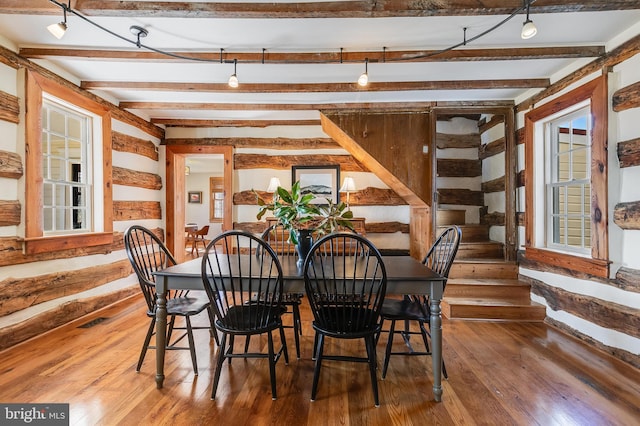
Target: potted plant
[301, 218]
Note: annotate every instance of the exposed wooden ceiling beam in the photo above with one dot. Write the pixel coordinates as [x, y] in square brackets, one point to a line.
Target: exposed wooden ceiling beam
[327, 57]
[396, 106]
[330, 9]
[185, 122]
[319, 87]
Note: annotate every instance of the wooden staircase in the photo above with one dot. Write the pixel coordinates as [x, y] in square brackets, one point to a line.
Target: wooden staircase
[481, 284]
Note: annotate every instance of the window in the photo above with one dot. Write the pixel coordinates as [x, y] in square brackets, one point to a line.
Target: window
[566, 181]
[68, 168]
[67, 181]
[216, 189]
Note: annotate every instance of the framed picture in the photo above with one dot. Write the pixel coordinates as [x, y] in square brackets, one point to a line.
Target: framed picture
[195, 197]
[321, 181]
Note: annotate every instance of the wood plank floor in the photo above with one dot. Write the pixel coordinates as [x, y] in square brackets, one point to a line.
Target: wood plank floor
[499, 374]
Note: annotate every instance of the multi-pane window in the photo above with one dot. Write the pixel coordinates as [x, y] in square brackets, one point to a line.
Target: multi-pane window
[216, 189]
[66, 153]
[568, 181]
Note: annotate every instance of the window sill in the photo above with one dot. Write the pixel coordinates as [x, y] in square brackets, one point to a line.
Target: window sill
[65, 242]
[595, 267]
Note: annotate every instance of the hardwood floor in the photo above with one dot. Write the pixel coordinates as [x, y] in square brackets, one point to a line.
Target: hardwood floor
[499, 373]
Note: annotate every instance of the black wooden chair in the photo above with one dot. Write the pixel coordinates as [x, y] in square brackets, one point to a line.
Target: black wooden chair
[148, 254]
[345, 291]
[416, 307]
[277, 237]
[245, 292]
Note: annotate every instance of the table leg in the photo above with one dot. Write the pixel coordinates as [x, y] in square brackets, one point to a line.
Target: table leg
[436, 347]
[161, 334]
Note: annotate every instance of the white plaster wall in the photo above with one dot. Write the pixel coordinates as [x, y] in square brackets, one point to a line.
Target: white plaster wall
[624, 245]
[199, 213]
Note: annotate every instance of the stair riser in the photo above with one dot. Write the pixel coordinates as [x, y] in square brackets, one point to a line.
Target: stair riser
[488, 291]
[471, 233]
[480, 252]
[450, 217]
[479, 270]
[511, 313]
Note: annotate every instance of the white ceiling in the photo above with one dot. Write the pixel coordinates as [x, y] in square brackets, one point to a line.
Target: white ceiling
[312, 35]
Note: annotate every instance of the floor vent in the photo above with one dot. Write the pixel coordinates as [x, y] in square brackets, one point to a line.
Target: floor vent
[93, 322]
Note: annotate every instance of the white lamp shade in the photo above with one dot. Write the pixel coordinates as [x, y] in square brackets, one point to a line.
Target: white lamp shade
[364, 79]
[58, 29]
[528, 29]
[274, 183]
[233, 81]
[348, 185]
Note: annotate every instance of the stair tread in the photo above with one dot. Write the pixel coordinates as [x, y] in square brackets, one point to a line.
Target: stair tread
[484, 260]
[501, 302]
[487, 281]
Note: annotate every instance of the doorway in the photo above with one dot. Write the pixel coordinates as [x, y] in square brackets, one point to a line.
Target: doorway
[177, 194]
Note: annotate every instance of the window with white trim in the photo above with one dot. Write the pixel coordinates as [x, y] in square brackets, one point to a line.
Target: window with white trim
[67, 182]
[568, 181]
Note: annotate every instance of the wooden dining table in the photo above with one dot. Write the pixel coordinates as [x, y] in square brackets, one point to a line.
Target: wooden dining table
[405, 275]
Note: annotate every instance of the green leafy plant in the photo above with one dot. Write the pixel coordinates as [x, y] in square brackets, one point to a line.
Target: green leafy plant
[295, 212]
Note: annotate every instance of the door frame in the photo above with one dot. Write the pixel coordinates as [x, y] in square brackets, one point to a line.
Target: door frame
[175, 193]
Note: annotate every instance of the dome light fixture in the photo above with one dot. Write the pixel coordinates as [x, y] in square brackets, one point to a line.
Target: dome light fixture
[233, 80]
[363, 80]
[528, 27]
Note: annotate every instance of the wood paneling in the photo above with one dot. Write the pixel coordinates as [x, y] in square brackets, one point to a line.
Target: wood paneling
[606, 314]
[270, 143]
[627, 97]
[126, 143]
[365, 197]
[460, 196]
[9, 108]
[10, 165]
[629, 153]
[128, 177]
[399, 161]
[468, 140]
[60, 315]
[628, 279]
[20, 293]
[494, 185]
[492, 148]
[284, 162]
[136, 210]
[458, 167]
[627, 215]
[9, 212]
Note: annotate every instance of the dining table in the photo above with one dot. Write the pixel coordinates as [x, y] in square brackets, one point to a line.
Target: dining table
[405, 275]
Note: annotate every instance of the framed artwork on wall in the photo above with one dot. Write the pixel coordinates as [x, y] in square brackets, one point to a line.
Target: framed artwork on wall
[195, 197]
[321, 181]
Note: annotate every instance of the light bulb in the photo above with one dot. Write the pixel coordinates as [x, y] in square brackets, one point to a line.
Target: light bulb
[528, 29]
[363, 80]
[233, 81]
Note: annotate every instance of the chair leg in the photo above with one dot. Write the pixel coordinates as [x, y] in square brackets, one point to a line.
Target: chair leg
[272, 365]
[316, 371]
[387, 353]
[231, 340]
[296, 328]
[315, 346]
[145, 345]
[284, 346]
[246, 343]
[371, 354]
[221, 355]
[212, 321]
[192, 345]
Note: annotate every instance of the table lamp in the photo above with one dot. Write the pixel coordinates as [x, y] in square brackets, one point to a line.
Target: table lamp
[348, 186]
